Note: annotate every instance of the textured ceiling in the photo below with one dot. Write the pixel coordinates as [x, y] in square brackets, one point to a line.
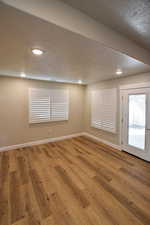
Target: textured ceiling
[68, 57]
[129, 17]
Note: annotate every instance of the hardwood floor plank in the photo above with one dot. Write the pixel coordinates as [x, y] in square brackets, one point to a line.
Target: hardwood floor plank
[4, 168]
[75, 178]
[77, 181]
[31, 205]
[22, 166]
[49, 221]
[75, 190]
[41, 195]
[120, 180]
[135, 175]
[4, 188]
[105, 205]
[16, 203]
[141, 215]
[101, 155]
[59, 211]
[95, 168]
[72, 204]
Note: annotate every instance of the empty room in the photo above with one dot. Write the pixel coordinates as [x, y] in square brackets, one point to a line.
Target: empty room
[75, 112]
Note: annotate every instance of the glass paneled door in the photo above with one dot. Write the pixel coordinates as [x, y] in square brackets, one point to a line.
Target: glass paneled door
[135, 125]
[137, 120]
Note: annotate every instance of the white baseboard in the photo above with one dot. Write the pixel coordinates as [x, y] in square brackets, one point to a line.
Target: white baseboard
[118, 147]
[44, 141]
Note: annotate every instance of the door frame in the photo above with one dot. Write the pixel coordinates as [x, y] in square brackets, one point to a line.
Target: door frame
[122, 89]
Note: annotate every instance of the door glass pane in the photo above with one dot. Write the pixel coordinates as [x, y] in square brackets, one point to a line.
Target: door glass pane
[136, 126]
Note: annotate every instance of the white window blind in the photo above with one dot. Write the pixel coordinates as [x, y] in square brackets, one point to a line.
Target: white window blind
[59, 105]
[104, 109]
[48, 105]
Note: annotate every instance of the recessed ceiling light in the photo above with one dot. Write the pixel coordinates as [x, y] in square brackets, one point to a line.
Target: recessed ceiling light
[79, 81]
[37, 51]
[119, 72]
[23, 75]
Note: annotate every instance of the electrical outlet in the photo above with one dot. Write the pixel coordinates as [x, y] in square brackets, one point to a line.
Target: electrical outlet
[49, 132]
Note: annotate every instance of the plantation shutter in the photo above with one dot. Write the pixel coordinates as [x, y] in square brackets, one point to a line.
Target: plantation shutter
[59, 105]
[48, 105]
[103, 109]
[39, 106]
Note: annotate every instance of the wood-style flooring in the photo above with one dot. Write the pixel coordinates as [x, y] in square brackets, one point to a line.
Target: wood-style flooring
[73, 182]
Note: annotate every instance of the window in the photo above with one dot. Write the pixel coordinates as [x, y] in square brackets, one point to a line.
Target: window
[103, 109]
[137, 120]
[48, 105]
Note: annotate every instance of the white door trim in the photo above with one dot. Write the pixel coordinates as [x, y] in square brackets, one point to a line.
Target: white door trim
[135, 86]
[126, 87]
[141, 155]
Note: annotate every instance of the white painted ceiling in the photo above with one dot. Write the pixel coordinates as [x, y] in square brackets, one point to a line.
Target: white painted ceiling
[129, 17]
[68, 57]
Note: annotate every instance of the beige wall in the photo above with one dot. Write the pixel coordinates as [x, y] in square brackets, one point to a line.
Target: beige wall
[114, 138]
[14, 126]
